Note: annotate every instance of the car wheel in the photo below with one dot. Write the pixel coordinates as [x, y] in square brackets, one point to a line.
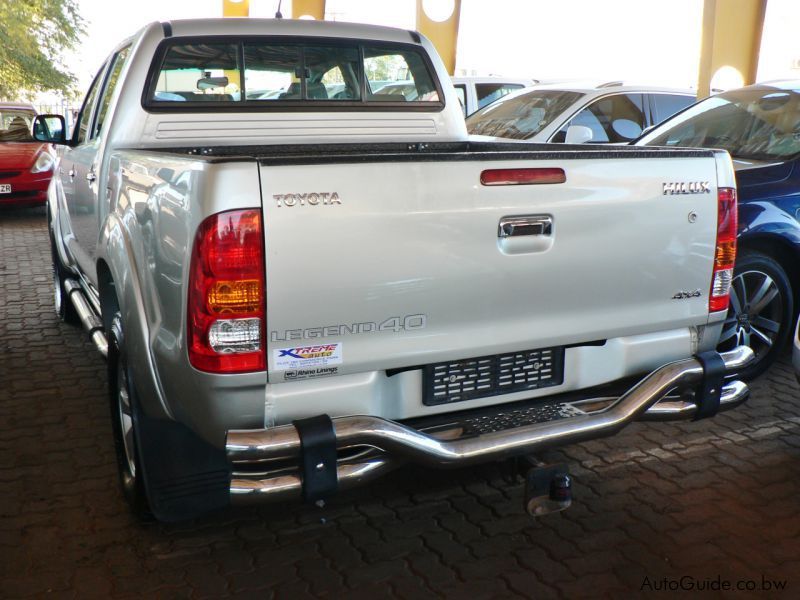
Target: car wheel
[760, 312]
[64, 308]
[122, 399]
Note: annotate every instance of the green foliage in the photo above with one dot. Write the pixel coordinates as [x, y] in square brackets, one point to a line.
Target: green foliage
[33, 37]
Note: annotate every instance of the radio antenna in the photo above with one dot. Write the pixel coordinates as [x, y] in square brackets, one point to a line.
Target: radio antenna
[278, 14]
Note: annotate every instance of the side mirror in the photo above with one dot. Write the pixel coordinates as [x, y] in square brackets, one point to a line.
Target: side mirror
[50, 128]
[209, 83]
[578, 134]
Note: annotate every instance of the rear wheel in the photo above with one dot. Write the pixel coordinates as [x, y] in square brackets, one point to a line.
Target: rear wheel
[122, 399]
[760, 312]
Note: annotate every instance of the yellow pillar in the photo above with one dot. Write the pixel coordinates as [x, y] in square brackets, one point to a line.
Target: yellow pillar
[731, 41]
[442, 33]
[235, 8]
[313, 8]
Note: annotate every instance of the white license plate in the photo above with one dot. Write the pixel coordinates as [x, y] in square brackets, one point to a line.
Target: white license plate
[5, 188]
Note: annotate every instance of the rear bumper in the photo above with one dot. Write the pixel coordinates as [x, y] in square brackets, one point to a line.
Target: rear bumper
[266, 462]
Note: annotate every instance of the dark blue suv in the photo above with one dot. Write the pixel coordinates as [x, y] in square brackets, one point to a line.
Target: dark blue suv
[759, 126]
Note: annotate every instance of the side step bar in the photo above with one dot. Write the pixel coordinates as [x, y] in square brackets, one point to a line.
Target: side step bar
[399, 443]
[91, 323]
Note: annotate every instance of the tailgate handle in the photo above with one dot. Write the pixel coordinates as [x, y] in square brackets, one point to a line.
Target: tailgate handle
[525, 225]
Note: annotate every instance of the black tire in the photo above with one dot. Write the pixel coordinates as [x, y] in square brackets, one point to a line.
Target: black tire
[761, 311]
[64, 308]
[122, 400]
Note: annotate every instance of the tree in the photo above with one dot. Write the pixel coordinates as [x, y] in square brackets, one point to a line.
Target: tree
[33, 37]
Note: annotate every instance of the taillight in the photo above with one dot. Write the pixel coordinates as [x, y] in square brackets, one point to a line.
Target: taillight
[529, 176]
[227, 294]
[725, 253]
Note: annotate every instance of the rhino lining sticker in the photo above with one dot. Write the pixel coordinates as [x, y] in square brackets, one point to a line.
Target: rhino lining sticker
[309, 373]
[308, 357]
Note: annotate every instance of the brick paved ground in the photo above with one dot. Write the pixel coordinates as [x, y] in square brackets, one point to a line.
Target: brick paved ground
[713, 499]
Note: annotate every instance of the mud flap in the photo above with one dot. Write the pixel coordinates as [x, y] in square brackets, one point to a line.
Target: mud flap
[184, 476]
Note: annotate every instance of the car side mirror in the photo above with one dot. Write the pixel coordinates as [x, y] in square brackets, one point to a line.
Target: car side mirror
[50, 128]
[578, 134]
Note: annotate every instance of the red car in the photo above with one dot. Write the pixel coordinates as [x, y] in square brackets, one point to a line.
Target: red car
[25, 164]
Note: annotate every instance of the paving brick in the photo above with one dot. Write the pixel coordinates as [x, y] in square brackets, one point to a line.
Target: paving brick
[658, 500]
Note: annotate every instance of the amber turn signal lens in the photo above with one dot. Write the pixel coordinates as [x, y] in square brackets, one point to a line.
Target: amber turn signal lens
[239, 296]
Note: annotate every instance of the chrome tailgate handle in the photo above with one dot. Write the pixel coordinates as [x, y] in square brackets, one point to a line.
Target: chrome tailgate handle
[525, 225]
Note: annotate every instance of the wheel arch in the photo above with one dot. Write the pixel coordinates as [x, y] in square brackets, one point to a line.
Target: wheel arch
[786, 254]
[109, 303]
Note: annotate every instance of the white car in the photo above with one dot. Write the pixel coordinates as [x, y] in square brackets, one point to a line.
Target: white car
[579, 113]
[477, 92]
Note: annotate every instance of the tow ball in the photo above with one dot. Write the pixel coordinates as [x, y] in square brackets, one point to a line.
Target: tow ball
[548, 488]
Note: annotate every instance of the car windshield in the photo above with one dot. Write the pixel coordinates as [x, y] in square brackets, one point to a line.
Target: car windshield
[520, 116]
[15, 125]
[751, 124]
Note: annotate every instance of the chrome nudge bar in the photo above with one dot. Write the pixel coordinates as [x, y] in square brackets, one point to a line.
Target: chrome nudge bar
[395, 442]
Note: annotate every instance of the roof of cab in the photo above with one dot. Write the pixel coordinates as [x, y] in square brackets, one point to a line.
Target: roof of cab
[288, 27]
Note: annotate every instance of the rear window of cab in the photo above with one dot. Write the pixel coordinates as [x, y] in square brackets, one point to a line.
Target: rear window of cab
[290, 73]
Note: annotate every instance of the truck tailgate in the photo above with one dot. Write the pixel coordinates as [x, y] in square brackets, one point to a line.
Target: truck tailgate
[405, 266]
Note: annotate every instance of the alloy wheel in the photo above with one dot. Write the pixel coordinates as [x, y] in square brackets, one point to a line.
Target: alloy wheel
[126, 418]
[754, 317]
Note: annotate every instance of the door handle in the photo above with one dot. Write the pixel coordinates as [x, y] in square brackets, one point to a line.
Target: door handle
[525, 225]
[90, 176]
[71, 174]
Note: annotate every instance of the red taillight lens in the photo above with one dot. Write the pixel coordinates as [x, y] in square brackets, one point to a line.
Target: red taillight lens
[227, 294]
[725, 253]
[522, 176]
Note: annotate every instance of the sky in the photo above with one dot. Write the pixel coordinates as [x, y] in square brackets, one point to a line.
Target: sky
[643, 41]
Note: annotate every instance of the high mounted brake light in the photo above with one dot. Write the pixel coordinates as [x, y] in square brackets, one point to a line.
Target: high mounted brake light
[531, 176]
[226, 308]
[725, 253]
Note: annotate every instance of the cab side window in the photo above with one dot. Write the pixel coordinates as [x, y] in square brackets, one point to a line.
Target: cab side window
[84, 117]
[108, 91]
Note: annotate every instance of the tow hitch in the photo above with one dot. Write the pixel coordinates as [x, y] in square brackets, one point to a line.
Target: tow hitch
[548, 488]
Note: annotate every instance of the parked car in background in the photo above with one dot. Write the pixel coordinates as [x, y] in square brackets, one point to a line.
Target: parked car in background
[759, 126]
[796, 352]
[578, 113]
[477, 92]
[25, 164]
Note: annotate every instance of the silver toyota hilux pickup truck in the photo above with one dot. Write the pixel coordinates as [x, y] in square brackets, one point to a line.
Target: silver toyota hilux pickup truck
[300, 282]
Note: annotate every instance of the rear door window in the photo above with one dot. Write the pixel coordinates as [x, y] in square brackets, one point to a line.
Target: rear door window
[666, 105]
[264, 72]
[461, 93]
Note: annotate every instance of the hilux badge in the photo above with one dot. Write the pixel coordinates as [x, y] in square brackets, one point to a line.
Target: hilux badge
[686, 187]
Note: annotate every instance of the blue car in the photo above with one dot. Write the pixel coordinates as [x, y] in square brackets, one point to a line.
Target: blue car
[759, 125]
